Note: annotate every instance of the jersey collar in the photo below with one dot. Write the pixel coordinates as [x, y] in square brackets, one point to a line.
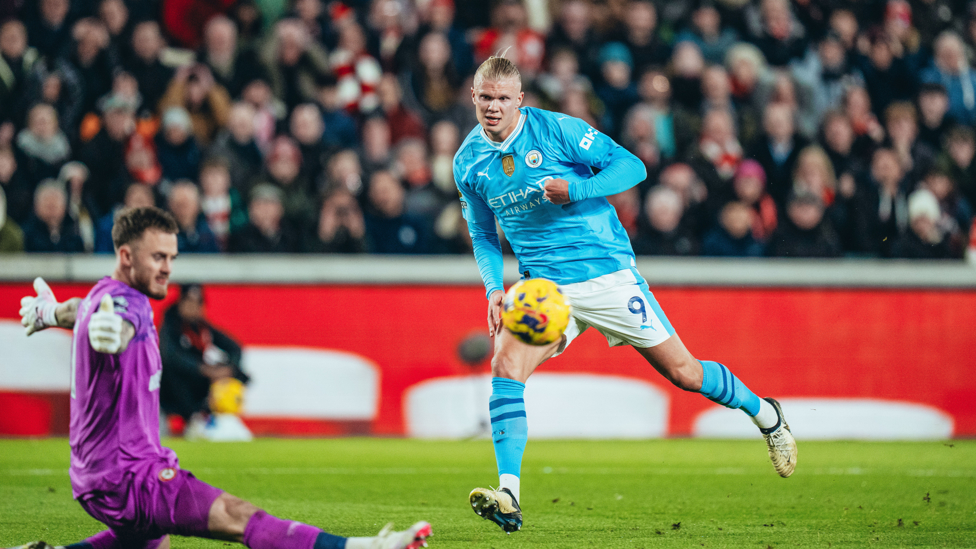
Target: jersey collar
[503, 146]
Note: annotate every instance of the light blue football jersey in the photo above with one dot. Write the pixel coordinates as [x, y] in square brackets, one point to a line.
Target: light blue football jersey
[569, 243]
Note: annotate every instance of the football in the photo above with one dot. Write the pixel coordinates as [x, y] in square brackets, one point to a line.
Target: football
[536, 311]
[226, 396]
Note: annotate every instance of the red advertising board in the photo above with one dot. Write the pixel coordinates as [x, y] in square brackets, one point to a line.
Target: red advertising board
[914, 346]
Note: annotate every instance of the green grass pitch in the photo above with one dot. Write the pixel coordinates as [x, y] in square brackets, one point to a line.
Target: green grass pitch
[633, 495]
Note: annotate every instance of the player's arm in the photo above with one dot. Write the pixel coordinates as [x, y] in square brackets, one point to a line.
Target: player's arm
[487, 248]
[580, 143]
[43, 310]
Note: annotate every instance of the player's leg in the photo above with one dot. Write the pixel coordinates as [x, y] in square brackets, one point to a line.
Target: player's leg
[512, 364]
[717, 383]
[106, 539]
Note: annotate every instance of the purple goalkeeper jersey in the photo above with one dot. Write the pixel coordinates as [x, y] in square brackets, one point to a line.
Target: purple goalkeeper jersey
[115, 398]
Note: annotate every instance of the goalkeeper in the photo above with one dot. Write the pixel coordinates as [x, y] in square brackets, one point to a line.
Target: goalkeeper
[532, 171]
[120, 473]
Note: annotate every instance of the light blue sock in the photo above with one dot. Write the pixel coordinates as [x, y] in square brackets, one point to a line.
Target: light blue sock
[509, 428]
[721, 387]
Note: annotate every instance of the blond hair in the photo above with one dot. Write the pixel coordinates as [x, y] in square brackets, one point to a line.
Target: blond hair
[496, 68]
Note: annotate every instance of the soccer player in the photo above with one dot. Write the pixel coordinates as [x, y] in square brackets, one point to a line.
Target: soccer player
[532, 171]
[120, 473]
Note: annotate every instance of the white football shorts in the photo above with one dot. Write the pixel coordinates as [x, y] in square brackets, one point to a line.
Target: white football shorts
[620, 306]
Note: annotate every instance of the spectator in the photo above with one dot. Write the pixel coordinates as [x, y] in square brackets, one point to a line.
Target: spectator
[951, 69]
[750, 189]
[924, 239]
[145, 65]
[804, 231]
[814, 174]
[389, 228]
[563, 72]
[268, 111]
[42, 146]
[16, 61]
[345, 170]
[423, 200]
[933, 106]
[137, 195]
[74, 177]
[655, 92]
[56, 83]
[837, 140]
[195, 235]
[881, 211]
[444, 143]
[781, 39]
[19, 191]
[706, 31]
[49, 229]
[697, 210]
[639, 137]
[573, 32]
[221, 203]
[732, 236]
[640, 35]
[750, 75]
[687, 66]
[432, 86]
[960, 159]
[267, 231]
[92, 60]
[509, 28]
[778, 149]
[208, 103]
[439, 17]
[403, 122]
[887, 77]
[233, 67]
[176, 147]
[237, 146]
[357, 71]
[341, 227]
[956, 213]
[717, 154]
[284, 171]
[627, 204]
[296, 63]
[308, 131]
[901, 123]
[195, 354]
[617, 91]
[375, 143]
[340, 126]
[114, 14]
[48, 26]
[717, 94]
[827, 73]
[141, 159]
[11, 237]
[662, 232]
[857, 107]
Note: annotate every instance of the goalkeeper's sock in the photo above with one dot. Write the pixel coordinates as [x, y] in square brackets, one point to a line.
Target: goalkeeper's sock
[721, 387]
[264, 531]
[509, 430]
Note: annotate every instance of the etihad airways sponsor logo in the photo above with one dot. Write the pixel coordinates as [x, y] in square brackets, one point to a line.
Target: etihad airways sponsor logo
[520, 200]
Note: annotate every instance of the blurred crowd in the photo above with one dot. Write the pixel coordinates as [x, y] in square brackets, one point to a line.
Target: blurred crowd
[790, 128]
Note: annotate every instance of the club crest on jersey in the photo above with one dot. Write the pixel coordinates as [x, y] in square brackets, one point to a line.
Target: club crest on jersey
[167, 474]
[533, 159]
[508, 164]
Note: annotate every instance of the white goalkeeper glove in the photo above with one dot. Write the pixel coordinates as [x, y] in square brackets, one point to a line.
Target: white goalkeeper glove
[105, 328]
[38, 312]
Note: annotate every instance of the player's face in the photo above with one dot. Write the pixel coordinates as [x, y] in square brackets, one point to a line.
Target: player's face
[149, 262]
[496, 104]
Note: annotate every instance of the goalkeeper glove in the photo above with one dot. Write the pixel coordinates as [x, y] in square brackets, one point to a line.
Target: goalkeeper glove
[38, 312]
[105, 328]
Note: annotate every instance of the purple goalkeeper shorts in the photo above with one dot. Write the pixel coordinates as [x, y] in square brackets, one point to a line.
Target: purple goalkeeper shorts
[149, 505]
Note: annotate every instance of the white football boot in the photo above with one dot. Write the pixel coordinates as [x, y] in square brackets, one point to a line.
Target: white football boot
[780, 442]
[411, 538]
